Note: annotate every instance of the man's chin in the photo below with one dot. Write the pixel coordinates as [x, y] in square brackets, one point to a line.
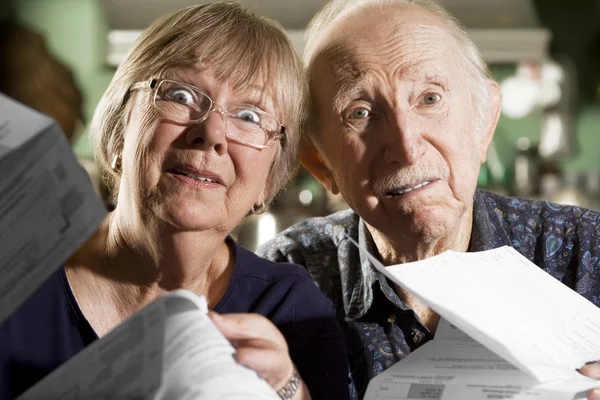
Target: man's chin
[425, 225]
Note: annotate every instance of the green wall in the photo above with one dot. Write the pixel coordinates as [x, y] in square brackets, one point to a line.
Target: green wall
[75, 33]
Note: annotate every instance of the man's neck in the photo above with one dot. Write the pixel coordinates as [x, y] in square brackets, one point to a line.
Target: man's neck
[403, 250]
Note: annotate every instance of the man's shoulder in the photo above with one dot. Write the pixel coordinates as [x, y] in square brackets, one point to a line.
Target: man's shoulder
[519, 210]
[313, 235]
[551, 235]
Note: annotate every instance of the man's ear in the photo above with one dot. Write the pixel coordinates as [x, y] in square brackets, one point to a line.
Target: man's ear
[313, 161]
[493, 115]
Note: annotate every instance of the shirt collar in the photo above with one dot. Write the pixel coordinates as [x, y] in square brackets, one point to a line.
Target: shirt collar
[357, 277]
[488, 230]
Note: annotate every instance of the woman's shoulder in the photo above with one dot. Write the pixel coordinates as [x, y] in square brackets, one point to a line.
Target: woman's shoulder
[280, 291]
[253, 266]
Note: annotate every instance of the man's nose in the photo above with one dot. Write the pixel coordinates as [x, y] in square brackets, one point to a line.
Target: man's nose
[405, 143]
[210, 133]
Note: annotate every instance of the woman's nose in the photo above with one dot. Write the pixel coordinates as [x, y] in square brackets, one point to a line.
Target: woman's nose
[210, 133]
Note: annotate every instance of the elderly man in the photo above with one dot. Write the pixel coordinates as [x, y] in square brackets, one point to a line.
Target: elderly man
[401, 114]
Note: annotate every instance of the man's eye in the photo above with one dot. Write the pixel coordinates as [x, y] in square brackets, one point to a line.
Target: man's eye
[248, 116]
[359, 113]
[430, 98]
[181, 96]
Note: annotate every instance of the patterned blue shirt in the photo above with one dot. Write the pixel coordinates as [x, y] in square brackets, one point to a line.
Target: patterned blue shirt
[380, 329]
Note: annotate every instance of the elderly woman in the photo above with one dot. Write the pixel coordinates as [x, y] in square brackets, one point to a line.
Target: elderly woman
[198, 129]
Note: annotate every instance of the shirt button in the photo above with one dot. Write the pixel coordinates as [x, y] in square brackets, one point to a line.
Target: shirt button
[417, 337]
[392, 318]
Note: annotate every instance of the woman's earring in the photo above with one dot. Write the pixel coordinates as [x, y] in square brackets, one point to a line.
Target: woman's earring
[115, 165]
[257, 210]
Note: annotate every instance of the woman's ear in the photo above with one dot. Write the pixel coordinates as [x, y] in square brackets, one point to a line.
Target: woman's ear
[312, 159]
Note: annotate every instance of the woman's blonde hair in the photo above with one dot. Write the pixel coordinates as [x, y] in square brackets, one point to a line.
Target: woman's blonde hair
[238, 46]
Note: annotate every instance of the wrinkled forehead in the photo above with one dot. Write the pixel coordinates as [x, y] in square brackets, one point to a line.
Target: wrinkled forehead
[352, 61]
[406, 43]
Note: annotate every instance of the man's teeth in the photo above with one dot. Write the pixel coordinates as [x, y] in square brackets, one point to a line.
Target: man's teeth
[196, 177]
[402, 191]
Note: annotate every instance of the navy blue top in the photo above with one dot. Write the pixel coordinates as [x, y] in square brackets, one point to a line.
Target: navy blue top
[49, 328]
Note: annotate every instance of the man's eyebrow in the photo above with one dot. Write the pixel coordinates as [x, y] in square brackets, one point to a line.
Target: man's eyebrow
[352, 84]
[345, 89]
[426, 74]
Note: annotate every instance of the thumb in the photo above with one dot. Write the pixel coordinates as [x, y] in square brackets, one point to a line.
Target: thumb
[591, 369]
[244, 326]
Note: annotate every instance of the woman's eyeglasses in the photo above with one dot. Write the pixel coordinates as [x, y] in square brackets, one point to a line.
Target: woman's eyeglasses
[185, 103]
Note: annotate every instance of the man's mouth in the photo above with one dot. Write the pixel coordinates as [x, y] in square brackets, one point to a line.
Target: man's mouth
[397, 192]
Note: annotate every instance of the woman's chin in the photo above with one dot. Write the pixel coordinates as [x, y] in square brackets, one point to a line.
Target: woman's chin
[187, 218]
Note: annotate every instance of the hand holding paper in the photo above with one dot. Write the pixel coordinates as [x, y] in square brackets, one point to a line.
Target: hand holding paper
[169, 349]
[559, 331]
[259, 344]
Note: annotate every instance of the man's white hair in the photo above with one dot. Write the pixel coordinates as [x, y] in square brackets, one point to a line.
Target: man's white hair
[472, 62]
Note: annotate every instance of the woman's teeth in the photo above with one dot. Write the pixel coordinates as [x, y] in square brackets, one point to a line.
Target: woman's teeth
[196, 177]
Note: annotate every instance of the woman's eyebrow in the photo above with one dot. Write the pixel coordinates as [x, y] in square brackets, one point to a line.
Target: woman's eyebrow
[255, 95]
[252, 93]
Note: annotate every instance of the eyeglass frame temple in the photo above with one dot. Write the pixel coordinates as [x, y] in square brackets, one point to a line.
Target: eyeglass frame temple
[151, 84]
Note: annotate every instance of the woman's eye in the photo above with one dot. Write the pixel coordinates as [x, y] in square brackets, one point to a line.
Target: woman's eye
[430, 98]
[181, 96]
[248, 116]
[359, 113]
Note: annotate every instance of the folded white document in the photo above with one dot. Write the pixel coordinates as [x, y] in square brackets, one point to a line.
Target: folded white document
[48, 206]
[170, 349]
[527, 328]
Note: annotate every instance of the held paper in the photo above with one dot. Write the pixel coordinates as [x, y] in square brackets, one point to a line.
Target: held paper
[169, 349]
[454, 366]
[48, 206]
[530, 331]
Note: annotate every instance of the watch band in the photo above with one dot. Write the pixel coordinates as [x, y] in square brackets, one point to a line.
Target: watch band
[290, 389]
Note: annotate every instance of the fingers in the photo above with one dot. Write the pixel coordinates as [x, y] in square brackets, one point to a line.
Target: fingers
[259, 346]
[273, 365]
[591, 369]
[238, 328]
[594, 394]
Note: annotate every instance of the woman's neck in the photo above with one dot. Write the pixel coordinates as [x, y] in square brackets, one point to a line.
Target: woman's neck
[140, 262]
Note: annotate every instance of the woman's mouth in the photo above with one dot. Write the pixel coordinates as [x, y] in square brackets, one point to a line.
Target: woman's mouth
[193, 176]
[199, 177]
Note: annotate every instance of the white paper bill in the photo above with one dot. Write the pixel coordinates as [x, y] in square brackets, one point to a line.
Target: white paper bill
[454, 366]
[530, 331]
[48, 207]
[169, 349]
